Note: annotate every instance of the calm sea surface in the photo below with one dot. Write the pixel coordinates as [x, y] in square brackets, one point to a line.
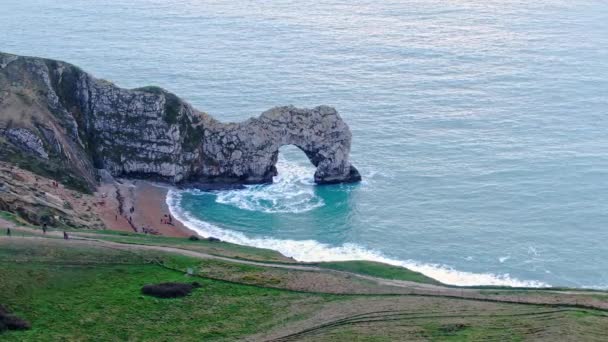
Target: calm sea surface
[480, 127]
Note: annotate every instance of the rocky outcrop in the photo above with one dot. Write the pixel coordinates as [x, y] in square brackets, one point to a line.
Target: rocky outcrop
[35, 200]
[248, 151]
[73, 124]
[26, 140]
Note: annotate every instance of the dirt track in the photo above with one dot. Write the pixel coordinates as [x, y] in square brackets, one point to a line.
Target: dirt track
[315, 279]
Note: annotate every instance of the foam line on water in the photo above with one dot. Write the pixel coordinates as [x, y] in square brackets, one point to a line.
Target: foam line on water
[292, 191]
[314, 251]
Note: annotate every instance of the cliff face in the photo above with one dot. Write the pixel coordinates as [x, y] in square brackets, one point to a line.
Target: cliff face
[60, 121]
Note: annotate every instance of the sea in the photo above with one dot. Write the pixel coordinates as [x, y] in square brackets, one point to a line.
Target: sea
[480, 127]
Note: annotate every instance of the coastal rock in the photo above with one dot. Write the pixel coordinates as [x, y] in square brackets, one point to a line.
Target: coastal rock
[26, 140]
[35, 200]
[74, 122]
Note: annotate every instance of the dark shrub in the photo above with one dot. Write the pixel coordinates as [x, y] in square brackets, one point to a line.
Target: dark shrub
[11, 322]
[452, 328]
[193, 238]
[169, 290]
[213, 239]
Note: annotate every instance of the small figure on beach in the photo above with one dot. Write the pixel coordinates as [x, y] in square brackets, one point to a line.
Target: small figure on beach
[65, 235]
[8, 231]
[166, 219]
[44, 228]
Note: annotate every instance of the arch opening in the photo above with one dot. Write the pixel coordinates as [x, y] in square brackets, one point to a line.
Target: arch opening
[292, 161]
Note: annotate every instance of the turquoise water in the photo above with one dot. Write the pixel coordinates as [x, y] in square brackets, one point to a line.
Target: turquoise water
[480, 127]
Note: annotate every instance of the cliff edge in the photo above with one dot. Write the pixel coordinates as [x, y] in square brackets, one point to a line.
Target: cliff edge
[61, 122]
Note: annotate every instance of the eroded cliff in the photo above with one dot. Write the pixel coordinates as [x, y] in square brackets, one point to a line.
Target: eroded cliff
[60, 121]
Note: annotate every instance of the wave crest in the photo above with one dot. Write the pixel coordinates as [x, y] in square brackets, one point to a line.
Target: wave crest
[291, 192]
[314, 251]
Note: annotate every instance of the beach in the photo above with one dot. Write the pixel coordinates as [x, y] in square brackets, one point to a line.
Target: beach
[132, 205]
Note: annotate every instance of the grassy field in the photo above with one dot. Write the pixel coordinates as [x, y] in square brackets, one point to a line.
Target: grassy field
[94, 294]
[379, 270]
[81, 290]
[202, 245]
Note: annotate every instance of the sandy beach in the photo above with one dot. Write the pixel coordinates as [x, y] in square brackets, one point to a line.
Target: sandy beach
[132, 205]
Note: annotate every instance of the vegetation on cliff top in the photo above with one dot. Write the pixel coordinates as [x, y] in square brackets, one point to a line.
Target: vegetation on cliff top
[84, 292]
[378, 270]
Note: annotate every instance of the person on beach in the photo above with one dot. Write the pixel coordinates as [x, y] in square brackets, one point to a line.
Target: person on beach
[65, 236]
[8, 231]
[44, 228]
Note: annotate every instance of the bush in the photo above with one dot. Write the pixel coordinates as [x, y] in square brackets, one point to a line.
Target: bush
[11, 322]
[193, 238]
[169, 290]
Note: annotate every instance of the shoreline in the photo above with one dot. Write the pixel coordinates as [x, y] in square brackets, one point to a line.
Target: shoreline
[150, 202]
[114, 198]
[440, 273]
[132, 205]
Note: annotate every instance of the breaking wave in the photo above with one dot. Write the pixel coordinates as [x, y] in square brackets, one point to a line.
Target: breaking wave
[314, 251]
[292, 191]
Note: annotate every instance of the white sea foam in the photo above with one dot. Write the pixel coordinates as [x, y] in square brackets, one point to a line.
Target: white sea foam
[291, 192]
[314, 251]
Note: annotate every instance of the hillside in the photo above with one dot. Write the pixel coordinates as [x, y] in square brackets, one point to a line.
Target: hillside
[88, 288]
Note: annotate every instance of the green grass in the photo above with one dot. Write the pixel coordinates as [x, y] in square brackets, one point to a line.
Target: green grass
[8, 216]
[83, 292]
[67, 299]
[216, 248]
[17, 220]
[379, 270]
[465, 332]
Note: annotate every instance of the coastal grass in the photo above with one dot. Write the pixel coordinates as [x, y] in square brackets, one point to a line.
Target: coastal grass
[13, 218]
[83, 293]
[379, 270]
[219, 248]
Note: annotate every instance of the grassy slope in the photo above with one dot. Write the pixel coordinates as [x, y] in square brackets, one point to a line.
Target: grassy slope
[379, 270]
[71, 292]
[100, 296]
[257, 254]
[203, 245]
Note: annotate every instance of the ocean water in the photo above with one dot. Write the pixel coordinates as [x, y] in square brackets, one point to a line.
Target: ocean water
[479, 126]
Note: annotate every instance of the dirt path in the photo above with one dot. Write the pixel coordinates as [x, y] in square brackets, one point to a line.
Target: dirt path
[550, 297]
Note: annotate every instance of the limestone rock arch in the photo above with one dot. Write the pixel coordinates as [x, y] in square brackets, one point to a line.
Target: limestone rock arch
[75, 123]
[248, 151]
